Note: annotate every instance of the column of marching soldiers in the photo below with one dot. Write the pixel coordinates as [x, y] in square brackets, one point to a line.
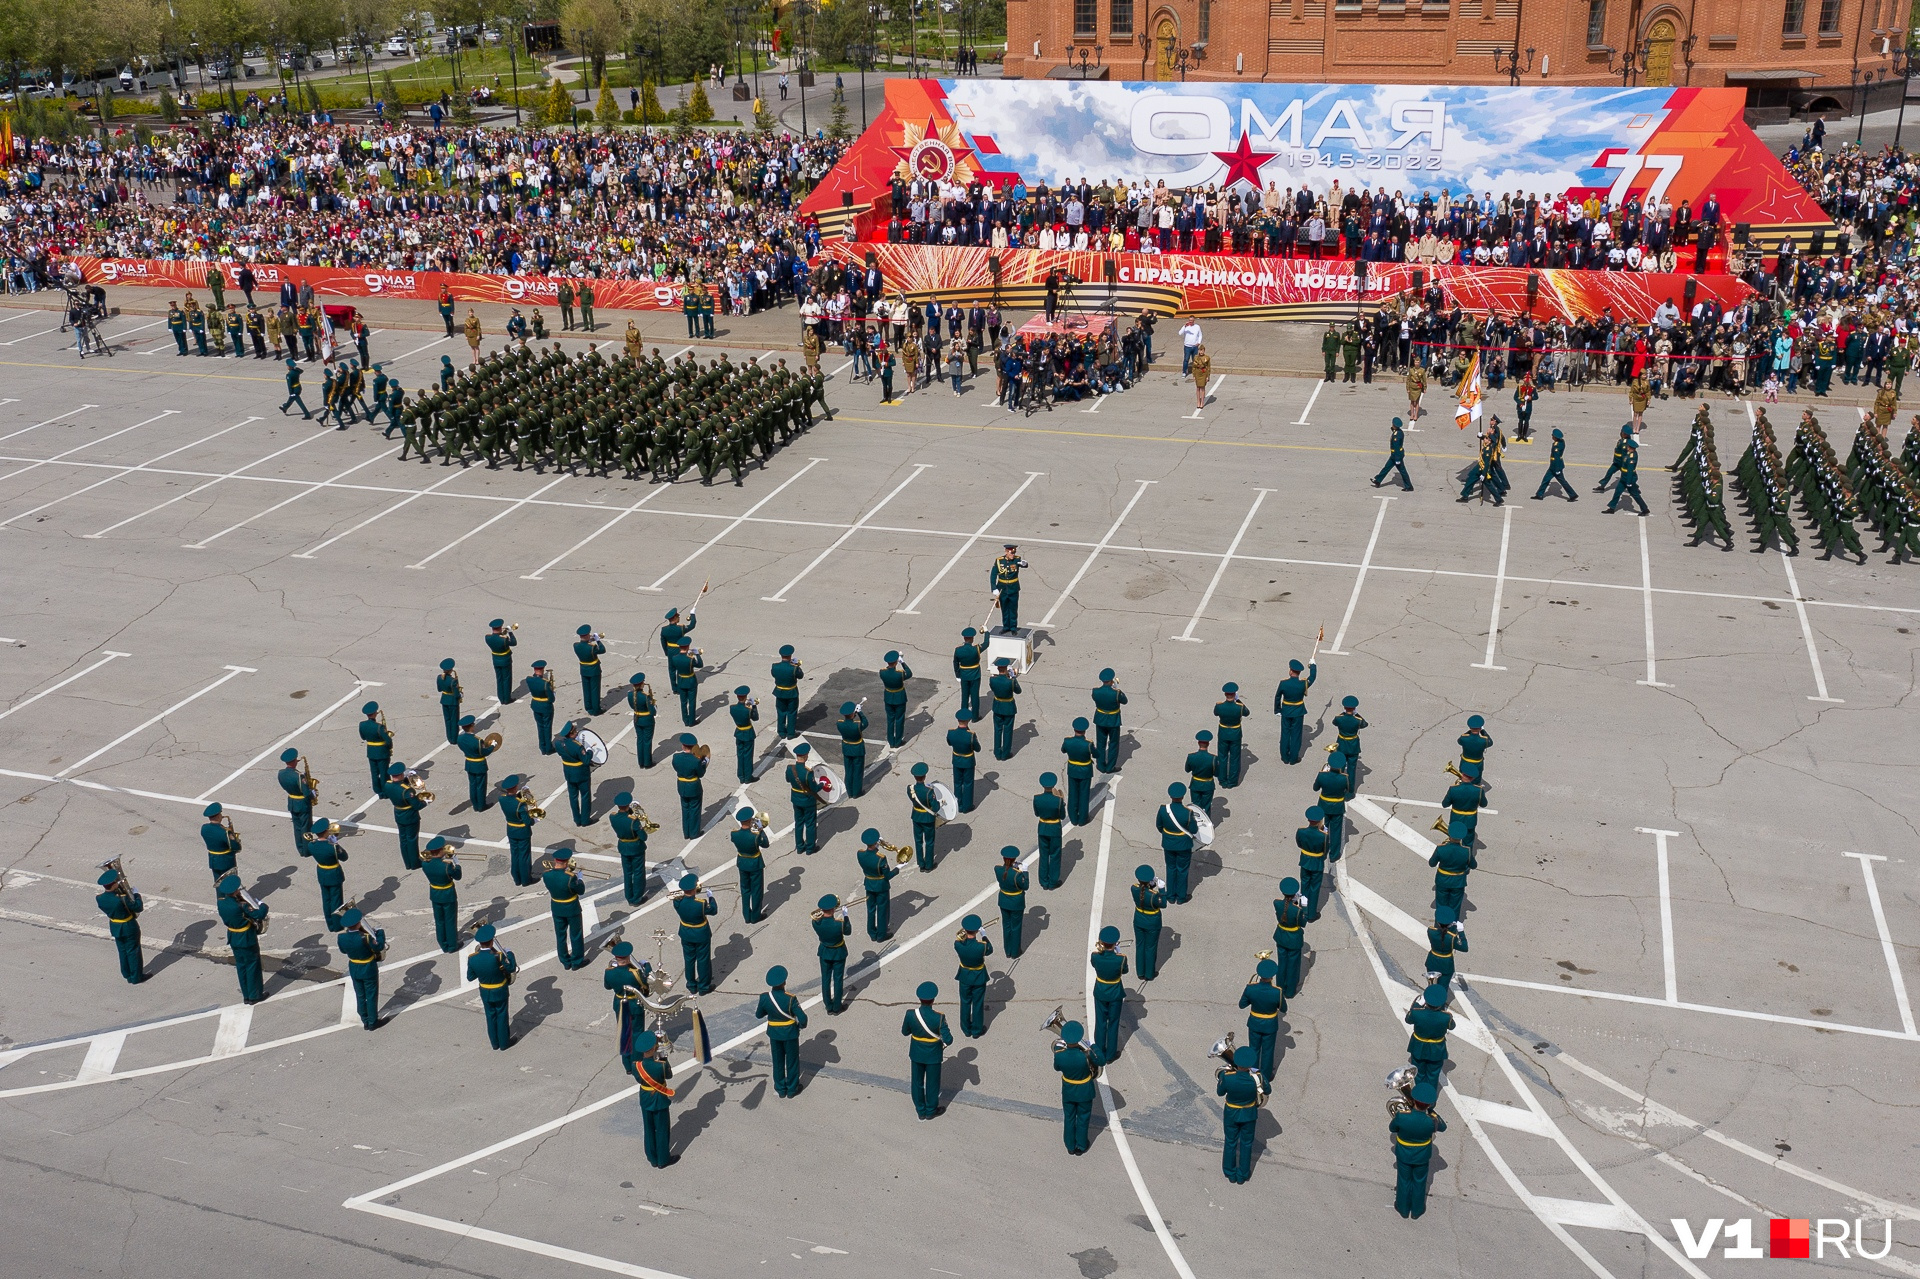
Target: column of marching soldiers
[637, 413]
[639, 991]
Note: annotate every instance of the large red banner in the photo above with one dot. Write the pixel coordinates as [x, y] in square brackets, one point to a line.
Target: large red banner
[1250, 288]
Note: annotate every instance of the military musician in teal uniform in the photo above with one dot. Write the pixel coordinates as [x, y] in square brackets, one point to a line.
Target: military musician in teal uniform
[689, 767]
[1228, 713]
[501, 642]
[540, 698]
[1202, 771]
[587, 650]
[1396, 457]
[1264, 1003]
[222, 841]
[1050, 812]
[651, 1072]
[853, 747]
[926, 816]
[1460, 811]
[1004, 686]
[640, 701]
[447, 683]
[877, 872]
[475, 750]
[1347, 725]
[493, 969]
[1243, 1090]
[1149, 901]
[1080, 760]
[803, 790]
[517, 808]
[1427, 1045]
[787, 674]
[1177, 826]
[1003, 579]
[323, 846]
[1443, 939]
[785, 1020]
[1473, 751]
[441, 866]
[1107, 701]
[630, 838]
[1311, 840]
[576, 767]
[963, 746]
[972, 948]
[407, 807]
[673, 635]
[1451, 860]
[744, 713]
[301, 792]
[695, 908]
[966, 669]
[122, 906]
[683, 679]
[1109, 996]
[750, 844]
[1078, 1063]
[1334, 785]
[927, 1030]
[1013, 899]
[563, 900]
[244, 925]
[379, 743]
[364, 951]
[1413, 1132]
[831, 926]
[1289, 932]
[1556, 470]
[893, 695]
[1290, 704]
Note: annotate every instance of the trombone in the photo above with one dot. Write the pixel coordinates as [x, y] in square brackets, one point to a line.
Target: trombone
[580, 872]
[451, 853]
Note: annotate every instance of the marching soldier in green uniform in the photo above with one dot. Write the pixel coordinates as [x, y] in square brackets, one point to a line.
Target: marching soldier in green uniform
[563, 893]
[379, 743]
[972, 948]
[630, 836]
[1244, 1089]
[516, 808]
[1443, 939]
[645, 710]
[1396, 456]
[743, 713]
[585, 295]
[587, 650]
[688, 770]
[853, 748]
[927, 1030]
[787, 675]
[750, 843]
[1050, 811]
[564, 295]
[1460, 811]
[1003, 579]
[683, 679]
[243, 923]
[1229, 712]
[1109, 966]
[1311, 840]
[577, 769]
[293, 386]
[1013, 899]
[877, 872]
[1003, 685]
[447, 683]
[299, 790]
[1620, 447]
[1080, 760]
[540, 699]
[651, 1071]
[1413, 1133]
[1329, 348]
[364, 951]
[1289, 934]
[1264, 1003]
[673, 635]
[475, 752]
[197, 323]
[1628, 485]
[926, 817]
[1290, 704]
[1334, 788]
[1427, 1045]
[1557, 469]
[1201, 769]
[1149, 900]
[785, 1020]
[442, 869]
[323, 846]
[1347, 725]
[1349, 352]
[1107, 701]
[1451, 861]
[831, 926]
[122, 906]
[1078, 1064]
[493, 971]
[803, 791]
[407, 807]
[1177, 826]
[223, 844]
[1473, 750]
[893, 683]
[963, 747]
[694, 908]
[501, 643]
[966, 669]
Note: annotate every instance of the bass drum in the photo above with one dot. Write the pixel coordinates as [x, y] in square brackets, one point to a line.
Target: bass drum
[1204, 836]
[949, 806]
[595, 745]
[832, 790]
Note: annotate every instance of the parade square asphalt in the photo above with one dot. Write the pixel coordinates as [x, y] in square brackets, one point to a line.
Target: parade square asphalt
[1692, 932]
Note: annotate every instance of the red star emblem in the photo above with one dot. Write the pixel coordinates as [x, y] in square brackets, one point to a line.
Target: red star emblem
[1243, 162]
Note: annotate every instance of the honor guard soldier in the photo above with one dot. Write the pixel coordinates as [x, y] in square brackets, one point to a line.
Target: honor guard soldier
[1289, 933]
[1557, 470]
[1003, 579]
[972, 947]
[688, 769]
[1229, 711]
[475, 753]
[122, 906]
[1443, 939]
[1177, 826]
[1202, 768]
[1107, 701]
[929, 1036]
[299, 789]
[683, 679]
[787, 674]
[1264, 1003]
[501, 643]
[1413, 1149]
[645, 712]
[379, 743]
[515, 807]
[323, 846]
[223, 843]
[749, 863]
[1244, 1089]
[785, 1020]
[831, 926]
[630, 835]
[1013, 899]
[1311, 839]
[1347, 725]
[743, 712]
[1003, 685]
[1149, 899]
[803, 789]
[877, 872]
[1427, 1045]
[853, 747]
[448, 684]
[493, 970]
[696, 935]
[1628, 485]
[1080, 759]
[1078, 1064]
[926, 816]
[1451, 862]
[1473, 750]
[1109, 966]
[651, 1072]
[1290, 704]
[966, 669]
[1620, 447]
[673, 635]
[540, 697]
[577, 769]
[587, 650]
[893, 684]
[1050, 811]
[1334, 786]
[364, 950]
[964, 746]
[442, 870]
[563, 893]
[1396, 457]
[407, 807]
[243, 923]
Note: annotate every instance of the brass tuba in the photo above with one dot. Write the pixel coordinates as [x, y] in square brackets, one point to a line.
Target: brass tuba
[1400, 1083]
[1052, 1025]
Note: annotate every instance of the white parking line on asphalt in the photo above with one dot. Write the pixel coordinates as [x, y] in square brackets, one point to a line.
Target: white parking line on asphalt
[537, 574]
[1499, 590]
[1260, 495]
[1660, 838]
[122, 471]
[737, 521]
[1646, 597]
[280, 745]
[201, 488]
[1098, 547]
[1366, 562]
[285, 502]
[42, 333]
[49, 422]
[89, 444]
[83, 761]
[411, 497]
[1302, 420]
[489, 523]
[1892, 956]
[913, 605]
[110, 655]
[416, 350]
[1806, 633]
[780, 596]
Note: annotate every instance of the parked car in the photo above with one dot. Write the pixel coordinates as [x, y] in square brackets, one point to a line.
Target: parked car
[398, 47]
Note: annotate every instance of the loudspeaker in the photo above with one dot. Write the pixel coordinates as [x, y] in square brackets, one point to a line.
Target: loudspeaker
[1819, 247]
[993, 265]
[846, 199]
[1742, 233]
[1360, 272]
[1533, 289]
[1691, 289]
[1419, 281]
[1110, 269]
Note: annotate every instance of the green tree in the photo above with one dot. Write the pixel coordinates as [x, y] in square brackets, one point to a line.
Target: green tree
[699, 110]
[606, 110]
[592, 29]
[388, 89]
[763, 120]
[837, 127]
[559, 108]
[650, 112]
[169, 109]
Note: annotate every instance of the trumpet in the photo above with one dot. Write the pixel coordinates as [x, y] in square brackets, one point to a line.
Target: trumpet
[901, 853]
[1457, 773]
[1259, 955]
[594, 637]
[513, 626]
[1400, 1082]
[693, 651]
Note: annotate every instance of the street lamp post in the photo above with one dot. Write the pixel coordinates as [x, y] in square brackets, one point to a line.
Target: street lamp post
[1901, 69]
[800, 10]
[1866, 97]
[863, 57]
[511, 37]
[366, 58]
[1087, 60]
[1508, 60]
[737, 14]
[1632, 62]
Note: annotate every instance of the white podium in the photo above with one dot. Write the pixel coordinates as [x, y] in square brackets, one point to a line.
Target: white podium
[1017, 646]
